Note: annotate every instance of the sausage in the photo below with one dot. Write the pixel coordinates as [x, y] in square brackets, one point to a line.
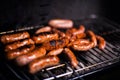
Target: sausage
[44, 38]
[83, 47]
[26, 58]
[81, 35]
[81, 41]
[78, 42]
[8, 38]
[55, 51]
[102, 42]
[55, 44]
[43, 29]
[70, 54]
[18, 52]
[18, 44]
[93, 37]
[61, 34]
[60, 23]
[43, 62]
[77, 36]
[80, 30]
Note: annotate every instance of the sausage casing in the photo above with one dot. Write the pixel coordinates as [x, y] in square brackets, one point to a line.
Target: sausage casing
[55, 51]
[102, 42]
[79, 42]
[80, 30]
[14, 37]
[43, 62]
[71, 56]
[18, 44]
[18, 52]
[60, 23]
[26, 58]
[55, 44]
[45, 38]
[93, 37]
[43, 29]
[83, 47]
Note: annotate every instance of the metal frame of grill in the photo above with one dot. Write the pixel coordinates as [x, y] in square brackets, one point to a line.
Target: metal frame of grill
[89, 62]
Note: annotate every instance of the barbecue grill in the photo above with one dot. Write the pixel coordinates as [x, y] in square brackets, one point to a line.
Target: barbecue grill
[91, 61]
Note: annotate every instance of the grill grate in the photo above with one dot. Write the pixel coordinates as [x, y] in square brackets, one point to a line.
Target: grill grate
[89, 62]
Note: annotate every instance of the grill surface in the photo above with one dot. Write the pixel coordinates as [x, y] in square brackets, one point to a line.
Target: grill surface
[89, 61]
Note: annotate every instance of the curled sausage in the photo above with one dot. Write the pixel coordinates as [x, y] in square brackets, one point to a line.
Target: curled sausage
[14, 37]
[43, 62]
[93, 37]
[81, 35]
[102, 42]
[83, 47]
[55, 51]
[45, 38]
[79, 42]
[18, 52]
[77, 36]
[60, 23]
[80, 30]
[71, 56]
[18, 44]
[26, 58]
[43, 29]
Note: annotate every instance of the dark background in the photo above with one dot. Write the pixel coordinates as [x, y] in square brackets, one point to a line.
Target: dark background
[34, 12]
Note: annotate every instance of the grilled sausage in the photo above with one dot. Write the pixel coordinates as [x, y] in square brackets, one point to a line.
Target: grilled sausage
[71, 56]
[18, 52]
[80, 36]
[93, 37]
[79, 42]
[43, 62]
[80, 30]
[55, 51]
[14, 37]
[26, 58]
[44, 38]
[83, 47]
[18, 44]
[61, 34]
[55, 44]
[43, 29]
[60, 23]
[102, 42]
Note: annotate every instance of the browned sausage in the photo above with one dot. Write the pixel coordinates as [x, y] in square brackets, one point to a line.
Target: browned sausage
[55, 51]
[55, 44]
[45, 38]
[80, 30]
[71, 56]
[14, 37]
[77, 36]
[43, 62]
[26, 58]
[18, 44]
[61, 23]
[102, 42]
[43, 29]
[79, 42]
[18, 52]
[93, 37]
[81, 35]
[61, 34]
[83, 47]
